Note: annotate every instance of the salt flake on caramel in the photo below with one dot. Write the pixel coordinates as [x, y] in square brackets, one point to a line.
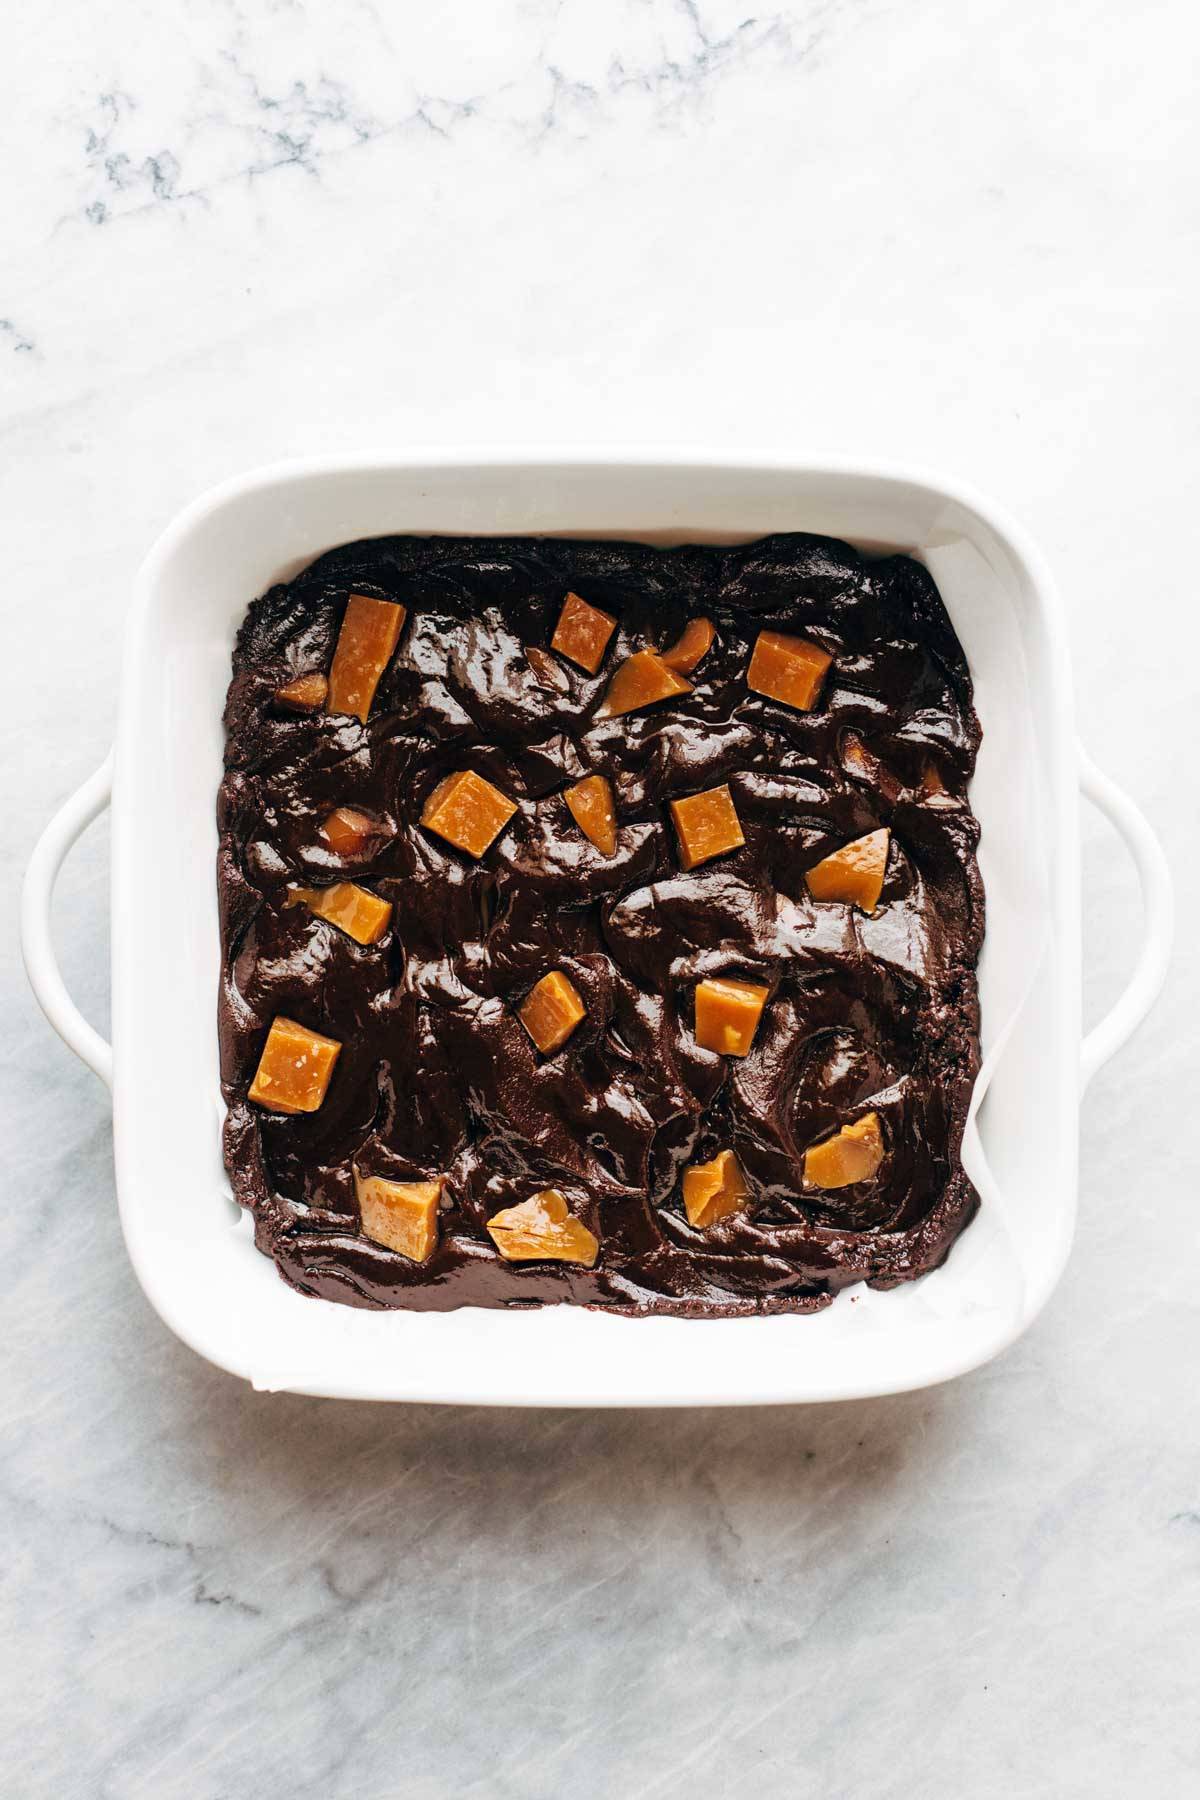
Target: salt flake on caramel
[641, 680]
[590, 802]
[713, 1190]
[369, 635]
[727, 1015]
[707, 825]
[400, 1215]
[467, 811]
[294, 1069]
[582, 633]
[543, 1229]
[551, 1011]
[788, 669]
[853, 1155]
[305, 693]
[355, 910]
[692, 646]
[854, 873]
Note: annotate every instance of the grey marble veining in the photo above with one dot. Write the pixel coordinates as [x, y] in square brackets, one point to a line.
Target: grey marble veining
[224, 121]
[243, 229]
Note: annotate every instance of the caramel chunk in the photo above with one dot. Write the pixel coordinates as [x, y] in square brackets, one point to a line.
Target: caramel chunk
[294, 1069]
[358, 912]
[542, 1229]
[727, 1015]
[591, 806]
[370, 632]
[707, 825]
[305, 693]
[467, 811]
[551, 1011]
[934, 789]
[641, 680]
[693, 644]
[713, 1190]
[853, 1155]
[582, 633]
[547, 672]
[788, 669]
[854, 873]
[348, 831]
[400, 1215]
[857, 760]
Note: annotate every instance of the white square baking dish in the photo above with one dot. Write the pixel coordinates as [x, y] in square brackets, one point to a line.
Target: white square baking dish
[190, 1245]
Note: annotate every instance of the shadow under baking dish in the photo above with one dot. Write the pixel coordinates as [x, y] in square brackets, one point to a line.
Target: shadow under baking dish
[193, 1250]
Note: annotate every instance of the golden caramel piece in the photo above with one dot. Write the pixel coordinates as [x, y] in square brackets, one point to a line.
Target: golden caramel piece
[707, 825]
[551, 1011]
[400, 1215]
[693, 644]
[305, 693]
[854, 873]
[467, 811]
[358, 912]
[788, 669]
[348, 831]
[591, 806]
[857, 760]
[934, 789]
[727, 1015]
[713, 1190]
[641, 680]
[294, 1069]
[370, 632]
[543, 1229]
[853, 1155]
[582, 633]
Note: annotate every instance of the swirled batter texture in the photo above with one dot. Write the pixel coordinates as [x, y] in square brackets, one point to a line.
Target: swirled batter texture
[437, 1076]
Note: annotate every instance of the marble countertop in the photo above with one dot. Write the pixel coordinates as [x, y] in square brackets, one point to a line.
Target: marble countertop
[967, 236]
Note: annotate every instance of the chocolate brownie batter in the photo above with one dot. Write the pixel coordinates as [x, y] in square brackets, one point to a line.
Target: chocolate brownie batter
[437, 1076]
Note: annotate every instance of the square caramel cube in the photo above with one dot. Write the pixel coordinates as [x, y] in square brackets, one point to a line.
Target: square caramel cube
[707, 825]
[355, 910]
[727, 1015]
[467, 811]
[370, 632]
[551, 1011]
[788, 669]
[400, 1215]
[294, 1069]
[582, 633]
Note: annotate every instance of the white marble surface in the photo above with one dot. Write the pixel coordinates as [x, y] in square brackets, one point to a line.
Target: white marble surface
[965, 234]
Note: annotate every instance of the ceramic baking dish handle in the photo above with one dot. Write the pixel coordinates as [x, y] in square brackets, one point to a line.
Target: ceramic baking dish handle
[37, 946]
[1102, 1042]
[1149, 972]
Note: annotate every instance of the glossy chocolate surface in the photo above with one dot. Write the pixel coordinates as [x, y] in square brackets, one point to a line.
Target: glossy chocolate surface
[437, 1075]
